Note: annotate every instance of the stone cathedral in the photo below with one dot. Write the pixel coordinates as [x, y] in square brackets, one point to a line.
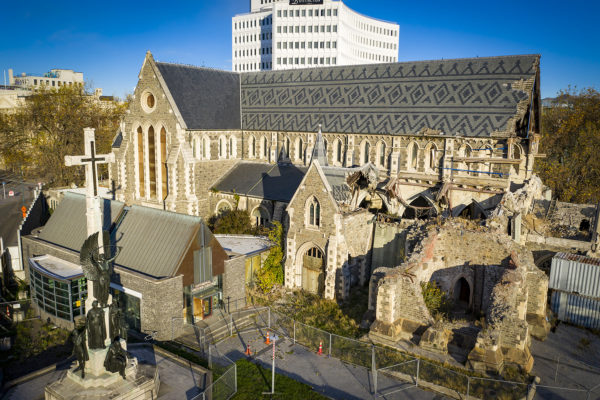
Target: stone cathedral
[321, 149]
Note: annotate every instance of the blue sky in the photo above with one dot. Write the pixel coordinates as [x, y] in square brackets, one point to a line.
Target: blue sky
[107, 40]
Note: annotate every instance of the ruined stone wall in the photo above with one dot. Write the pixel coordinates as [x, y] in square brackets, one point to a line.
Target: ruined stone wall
[389, 242]
[500, 274]
[358, 232]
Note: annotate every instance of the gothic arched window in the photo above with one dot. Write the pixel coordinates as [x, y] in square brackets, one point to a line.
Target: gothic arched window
[338, 151]
[299, 149]
[265, 147]
[414, 154]
[152, 161]
[222, 145]
[141, 173]
[365, 152]
[381, 154]
[163, 161]
[232, 147]
[314, 212]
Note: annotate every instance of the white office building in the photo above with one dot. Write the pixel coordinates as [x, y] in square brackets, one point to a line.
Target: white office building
[53, 78]
[284, 34]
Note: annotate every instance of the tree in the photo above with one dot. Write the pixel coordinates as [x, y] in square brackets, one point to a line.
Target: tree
[49, 125]
[271, 273]
[231, 222]
[570, 139]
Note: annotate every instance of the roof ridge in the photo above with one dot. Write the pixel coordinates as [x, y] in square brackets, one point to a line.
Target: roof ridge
[197, 67]
[166, 212]
[392, 63]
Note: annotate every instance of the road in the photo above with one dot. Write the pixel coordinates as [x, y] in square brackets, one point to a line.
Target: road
[10, 207]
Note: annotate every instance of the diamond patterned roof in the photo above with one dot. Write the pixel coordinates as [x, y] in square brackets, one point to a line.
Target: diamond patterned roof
[465, 97]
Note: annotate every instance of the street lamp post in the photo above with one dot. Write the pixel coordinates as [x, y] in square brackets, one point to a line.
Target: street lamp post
[4, 188]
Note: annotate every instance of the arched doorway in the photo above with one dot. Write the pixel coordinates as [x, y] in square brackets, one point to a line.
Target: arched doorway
[419, 208]
[462, 292]
[313, 271]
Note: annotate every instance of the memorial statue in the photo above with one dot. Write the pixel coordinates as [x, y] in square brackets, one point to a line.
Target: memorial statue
[117, 325]
[80, 349]
[116, 358]
[98, 267]
[96, 327]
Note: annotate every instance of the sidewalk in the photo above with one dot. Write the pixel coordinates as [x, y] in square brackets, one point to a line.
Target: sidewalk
[328, 376]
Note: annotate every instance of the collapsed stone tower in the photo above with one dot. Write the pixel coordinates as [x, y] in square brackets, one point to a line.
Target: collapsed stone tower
[492, 281]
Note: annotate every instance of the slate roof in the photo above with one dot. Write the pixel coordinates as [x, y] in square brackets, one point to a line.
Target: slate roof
[460, 97]
[117, 140]
[154, 241]
[67, 227]
[465, 97]
[336, 177]
[206, 98]
[270, 181]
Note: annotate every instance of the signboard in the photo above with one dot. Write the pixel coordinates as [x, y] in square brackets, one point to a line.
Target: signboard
[305, 2]
[11, 193]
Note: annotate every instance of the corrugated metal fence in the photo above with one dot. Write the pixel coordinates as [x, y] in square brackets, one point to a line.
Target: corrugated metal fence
[575, 281]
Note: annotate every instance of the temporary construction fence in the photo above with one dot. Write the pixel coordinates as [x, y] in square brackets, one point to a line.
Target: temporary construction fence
[391, 362]
[224, 384]
[395, 364]
[199, 336]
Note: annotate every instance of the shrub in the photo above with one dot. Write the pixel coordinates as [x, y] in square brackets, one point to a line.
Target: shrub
[435, 299]
[231, 222]
[271, 273]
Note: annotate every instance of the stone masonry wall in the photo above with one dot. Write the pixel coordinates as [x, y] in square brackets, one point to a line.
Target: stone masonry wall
[234, 282]
[300, 236]
[161, 305]
[155, 312]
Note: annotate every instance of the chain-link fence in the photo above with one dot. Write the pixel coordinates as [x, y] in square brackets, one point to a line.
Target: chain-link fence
[199, 336]
[224, 384]
[378, 360]
[394, 363]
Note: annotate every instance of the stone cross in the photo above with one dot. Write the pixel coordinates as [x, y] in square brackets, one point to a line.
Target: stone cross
[91, 160]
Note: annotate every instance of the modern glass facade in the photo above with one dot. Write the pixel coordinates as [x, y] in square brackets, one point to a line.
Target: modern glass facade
[61, 296]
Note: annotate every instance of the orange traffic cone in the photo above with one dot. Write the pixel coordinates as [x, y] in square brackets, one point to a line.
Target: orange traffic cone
[268, 341]
[248, 352]
[320, 352]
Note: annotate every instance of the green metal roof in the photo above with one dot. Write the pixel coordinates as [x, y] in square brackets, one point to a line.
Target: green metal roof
[67, 227]
[153, 241]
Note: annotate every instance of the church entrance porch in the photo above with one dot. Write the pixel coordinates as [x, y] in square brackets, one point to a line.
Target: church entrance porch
[313, 271]
[201, 304]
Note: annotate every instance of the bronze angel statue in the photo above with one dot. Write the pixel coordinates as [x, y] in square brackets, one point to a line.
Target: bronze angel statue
[98, 267]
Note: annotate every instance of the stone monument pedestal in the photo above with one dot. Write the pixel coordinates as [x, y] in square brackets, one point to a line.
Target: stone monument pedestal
[141, 383]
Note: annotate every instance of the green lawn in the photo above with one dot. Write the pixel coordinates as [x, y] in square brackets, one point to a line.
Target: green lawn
[253, 380]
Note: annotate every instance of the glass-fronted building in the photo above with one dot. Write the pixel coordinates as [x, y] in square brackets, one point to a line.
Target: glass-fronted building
[58, 289]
